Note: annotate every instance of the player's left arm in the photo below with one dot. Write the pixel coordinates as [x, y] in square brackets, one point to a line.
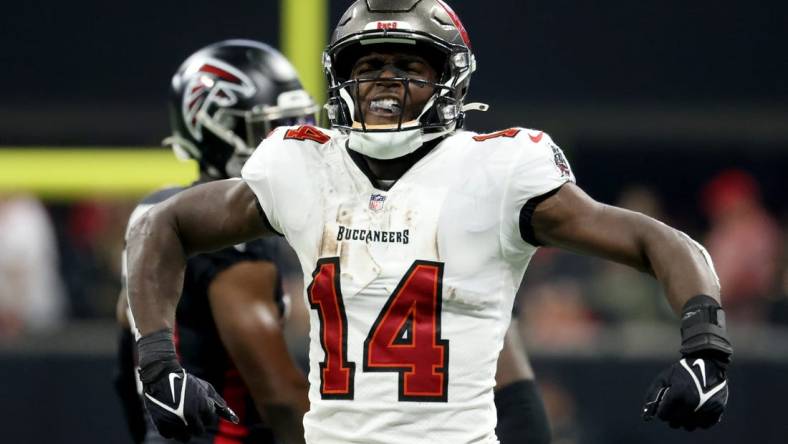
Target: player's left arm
[249, 324]
[693, 392]
[572, 220]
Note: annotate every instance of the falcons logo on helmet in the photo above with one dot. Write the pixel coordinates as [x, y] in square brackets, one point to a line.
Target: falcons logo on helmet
[214, 83]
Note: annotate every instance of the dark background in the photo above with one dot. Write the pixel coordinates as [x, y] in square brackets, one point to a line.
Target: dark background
[698, 85]
[661, 93]
[108, 64]
[74, 402]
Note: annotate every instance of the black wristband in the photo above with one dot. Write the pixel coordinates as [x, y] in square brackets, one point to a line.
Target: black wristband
[156, 354]
[703, 328]
[521, 414]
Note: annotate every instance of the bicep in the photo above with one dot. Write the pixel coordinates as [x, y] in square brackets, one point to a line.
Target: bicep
[216, 214]
[572, 220]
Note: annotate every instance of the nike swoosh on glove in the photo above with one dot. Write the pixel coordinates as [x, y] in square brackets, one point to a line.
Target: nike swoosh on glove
[691, 393]
[180, 405]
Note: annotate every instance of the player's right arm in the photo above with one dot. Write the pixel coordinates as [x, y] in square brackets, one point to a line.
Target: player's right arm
[203, 218]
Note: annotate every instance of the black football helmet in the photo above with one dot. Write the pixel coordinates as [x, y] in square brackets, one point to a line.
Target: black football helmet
[427, 27]
[226, 97]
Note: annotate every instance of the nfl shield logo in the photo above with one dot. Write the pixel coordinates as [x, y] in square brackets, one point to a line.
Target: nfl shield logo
[376, 202]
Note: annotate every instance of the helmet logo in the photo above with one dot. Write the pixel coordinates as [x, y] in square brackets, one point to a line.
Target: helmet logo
[215, 84]
[387, 25]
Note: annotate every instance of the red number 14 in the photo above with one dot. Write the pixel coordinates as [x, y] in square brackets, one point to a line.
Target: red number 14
[405, 337]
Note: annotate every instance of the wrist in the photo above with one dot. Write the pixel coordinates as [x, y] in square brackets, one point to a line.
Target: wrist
[703, 329]
[156, 354]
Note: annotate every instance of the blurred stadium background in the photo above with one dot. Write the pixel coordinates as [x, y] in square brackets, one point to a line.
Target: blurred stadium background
[676, 109]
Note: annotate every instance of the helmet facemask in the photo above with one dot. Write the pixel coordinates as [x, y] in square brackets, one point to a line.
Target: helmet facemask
[240, 131]
[441, 113]
[425, 28]
[244, 129]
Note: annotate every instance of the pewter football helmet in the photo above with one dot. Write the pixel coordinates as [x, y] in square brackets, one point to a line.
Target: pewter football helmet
[426, 27]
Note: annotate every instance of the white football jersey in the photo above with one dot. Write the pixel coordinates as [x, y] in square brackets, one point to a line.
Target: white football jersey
[411, 289]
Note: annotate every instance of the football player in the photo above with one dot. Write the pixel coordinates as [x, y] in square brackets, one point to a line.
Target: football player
[228, 326]
[413, 236]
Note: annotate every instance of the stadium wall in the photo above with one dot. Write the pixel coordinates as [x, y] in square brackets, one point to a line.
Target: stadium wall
[68, 398]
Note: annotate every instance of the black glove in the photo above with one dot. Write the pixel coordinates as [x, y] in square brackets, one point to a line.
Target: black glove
[180, 404]
[694, 391]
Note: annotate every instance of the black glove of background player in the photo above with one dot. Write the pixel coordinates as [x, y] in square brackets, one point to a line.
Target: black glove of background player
[180, 404]
[694, 391]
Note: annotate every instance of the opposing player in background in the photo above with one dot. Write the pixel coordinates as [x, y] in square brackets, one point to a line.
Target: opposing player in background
[228, 328]
[416, 235]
